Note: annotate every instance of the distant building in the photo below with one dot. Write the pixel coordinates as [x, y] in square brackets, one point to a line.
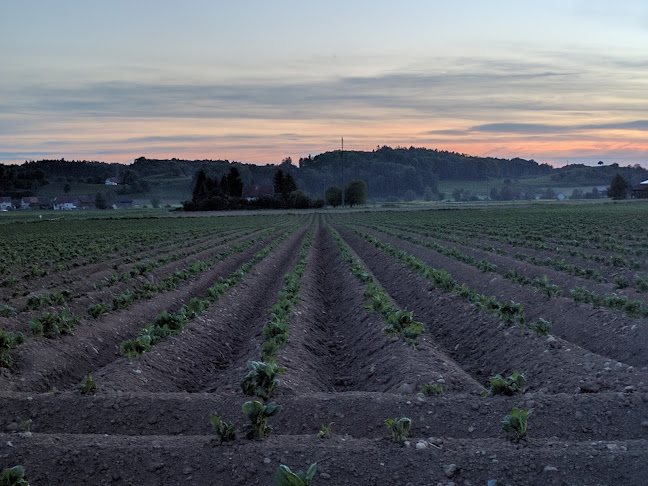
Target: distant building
[69, 202]
[123, 202]
[255, 191]
[640, 191]
[35, 202]
[113, 181]
[5, 203]
[560, 196]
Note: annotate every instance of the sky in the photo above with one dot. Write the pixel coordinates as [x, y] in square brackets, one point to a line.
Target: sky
[257, 81]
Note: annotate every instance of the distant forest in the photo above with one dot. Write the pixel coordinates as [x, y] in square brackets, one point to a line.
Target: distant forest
[388, 172]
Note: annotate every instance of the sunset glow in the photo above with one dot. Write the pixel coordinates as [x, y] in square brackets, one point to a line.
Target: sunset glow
[558, 82]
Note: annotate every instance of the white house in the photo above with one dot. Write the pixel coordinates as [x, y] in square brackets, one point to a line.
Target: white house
[5, 203]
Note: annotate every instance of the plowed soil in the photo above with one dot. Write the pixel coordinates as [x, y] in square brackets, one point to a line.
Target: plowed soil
[148, 424]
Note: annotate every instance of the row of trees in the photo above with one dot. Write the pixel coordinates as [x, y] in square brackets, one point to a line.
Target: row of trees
[355, 193]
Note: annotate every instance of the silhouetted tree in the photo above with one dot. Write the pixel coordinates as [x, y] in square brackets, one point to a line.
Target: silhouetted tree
[101, 202]
[67, 188]
[355, 192]
[234, 183]
[333, 196]
[619, 187]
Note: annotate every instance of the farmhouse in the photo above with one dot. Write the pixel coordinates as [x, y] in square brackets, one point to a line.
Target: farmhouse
[35, 202]
[640, 191]
[123, 202]
[69, 202]
[5, 203]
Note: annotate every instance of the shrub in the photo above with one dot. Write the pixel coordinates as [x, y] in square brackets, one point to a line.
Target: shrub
[399, 428]
[262, 379]
[542, 327]
[431, 389]
[259, 414]
[515, 424]
[225, 430]
[88, 386]
[507, 386]
[285, 477]
[641, 283]
[13, 476]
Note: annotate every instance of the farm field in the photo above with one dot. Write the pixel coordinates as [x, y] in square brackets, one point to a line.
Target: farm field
[127, 345]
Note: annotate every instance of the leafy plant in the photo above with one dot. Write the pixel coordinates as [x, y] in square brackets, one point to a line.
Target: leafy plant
[262, 379]
[285, 477]
[399, 428]
[51, 324]
[621, 281]
[88, 386]
[13, 476]
[641, 283]
[8, 341]
[507, 386]
[431, 389]
[7, 311]
[325, 431]
[26, 425]
[258, 413]
[515, 424]
[97, 309]
[225, 430]
[541, 326]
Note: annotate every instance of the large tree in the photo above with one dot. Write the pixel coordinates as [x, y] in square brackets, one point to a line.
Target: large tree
[355, 192]
[619, 187]
[333, 196]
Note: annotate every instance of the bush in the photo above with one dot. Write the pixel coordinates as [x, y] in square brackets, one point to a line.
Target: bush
[88, 386]
[399, 428]
[621, 282]
[285, 477]
[7, 311]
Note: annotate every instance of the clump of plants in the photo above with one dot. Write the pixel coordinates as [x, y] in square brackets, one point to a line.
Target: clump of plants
[97, 309]
[88, 386]
[515, 424]
[258, 414]
[621, 281]
[7, 311]
[399, 427]
[51, 324]
[542, 327]
[402, 323]
[225, 430]
[13, 476]
[431, 389]
[285, 477]
[262, 379]
[507, 386]
[8, 341]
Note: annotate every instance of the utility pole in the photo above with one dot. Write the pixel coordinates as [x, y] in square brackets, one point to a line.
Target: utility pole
[342, 160]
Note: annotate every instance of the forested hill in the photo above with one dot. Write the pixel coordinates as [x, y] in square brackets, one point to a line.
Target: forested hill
[390, 172]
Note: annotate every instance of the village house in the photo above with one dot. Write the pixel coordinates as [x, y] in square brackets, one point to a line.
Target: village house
[5, 203]
[69, 202]
[35, 202]
[640, 191]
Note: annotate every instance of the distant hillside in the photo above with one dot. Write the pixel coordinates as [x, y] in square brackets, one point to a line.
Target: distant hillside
[389, 173]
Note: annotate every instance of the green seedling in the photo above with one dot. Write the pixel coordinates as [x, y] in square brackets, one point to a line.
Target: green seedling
[225, 430]
[507, 386]
[26, 425]
[262, 379]
[431, 389]
[399, 428]
[515, 424]
[258, 413]
[13, 476]
[325, 431]
[285, 477]
[88, 386]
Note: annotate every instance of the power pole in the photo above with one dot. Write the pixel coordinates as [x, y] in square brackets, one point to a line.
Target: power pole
[342, 160]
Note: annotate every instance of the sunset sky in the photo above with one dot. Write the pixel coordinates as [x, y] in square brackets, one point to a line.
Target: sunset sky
[257, 81]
